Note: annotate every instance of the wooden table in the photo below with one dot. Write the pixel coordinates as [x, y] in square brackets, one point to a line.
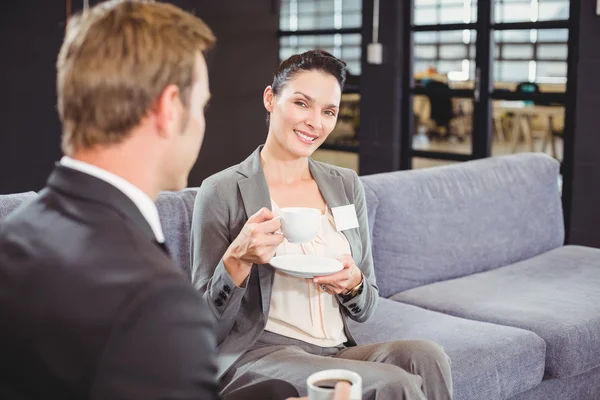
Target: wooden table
[521, 127]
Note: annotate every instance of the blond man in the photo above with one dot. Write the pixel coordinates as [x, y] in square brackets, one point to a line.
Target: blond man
[91, 306]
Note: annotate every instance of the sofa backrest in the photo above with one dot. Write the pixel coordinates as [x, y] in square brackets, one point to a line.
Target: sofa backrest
[10, 202]
[175, 210]
[442, 223]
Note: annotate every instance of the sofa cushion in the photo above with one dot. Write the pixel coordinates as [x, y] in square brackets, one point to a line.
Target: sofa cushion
[436, 224]
[555, 295]
[10, 202]
[175, 210]
[584, 386]
[488, 361]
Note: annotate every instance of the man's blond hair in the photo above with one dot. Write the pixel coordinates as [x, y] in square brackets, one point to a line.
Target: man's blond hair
[116, 59]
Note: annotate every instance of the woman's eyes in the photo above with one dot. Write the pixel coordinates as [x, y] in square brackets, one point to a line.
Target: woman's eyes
[303, 104]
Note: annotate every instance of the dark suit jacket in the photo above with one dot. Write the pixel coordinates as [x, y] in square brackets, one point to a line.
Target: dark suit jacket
[91, 307]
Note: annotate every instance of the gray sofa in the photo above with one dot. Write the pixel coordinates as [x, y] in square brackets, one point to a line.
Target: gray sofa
[471, 256]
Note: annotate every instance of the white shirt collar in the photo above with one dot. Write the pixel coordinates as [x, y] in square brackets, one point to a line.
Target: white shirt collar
[143, 202]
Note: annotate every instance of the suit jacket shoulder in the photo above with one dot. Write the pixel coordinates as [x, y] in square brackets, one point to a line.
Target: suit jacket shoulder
[80, 273]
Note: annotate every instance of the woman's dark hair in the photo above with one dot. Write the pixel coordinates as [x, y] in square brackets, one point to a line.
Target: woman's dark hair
[312, 60]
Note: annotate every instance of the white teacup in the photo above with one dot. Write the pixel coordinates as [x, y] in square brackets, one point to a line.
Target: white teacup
[299, 224]
[321, 385]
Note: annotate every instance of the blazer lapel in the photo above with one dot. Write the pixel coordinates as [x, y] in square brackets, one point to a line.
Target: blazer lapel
[333, 191]
[255, 195]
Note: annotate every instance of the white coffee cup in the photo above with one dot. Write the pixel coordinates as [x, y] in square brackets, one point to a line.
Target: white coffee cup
[299, 224]
[321, 384]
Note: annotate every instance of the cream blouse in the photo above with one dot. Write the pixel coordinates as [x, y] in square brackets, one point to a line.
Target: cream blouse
[300, 309]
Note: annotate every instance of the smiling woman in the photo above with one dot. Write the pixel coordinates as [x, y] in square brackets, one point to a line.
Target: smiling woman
[316, 62]
[303, 102]
[293, 323]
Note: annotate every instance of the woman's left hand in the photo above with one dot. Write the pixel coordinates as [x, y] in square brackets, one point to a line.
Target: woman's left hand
[343, 281]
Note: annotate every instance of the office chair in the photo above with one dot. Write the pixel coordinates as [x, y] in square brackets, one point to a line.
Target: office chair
[442, 111]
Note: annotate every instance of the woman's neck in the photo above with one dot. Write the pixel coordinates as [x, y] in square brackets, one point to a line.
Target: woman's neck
[280, 166]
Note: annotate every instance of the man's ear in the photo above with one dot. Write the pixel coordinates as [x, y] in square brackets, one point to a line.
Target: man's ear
[168, 111]
[269, 98]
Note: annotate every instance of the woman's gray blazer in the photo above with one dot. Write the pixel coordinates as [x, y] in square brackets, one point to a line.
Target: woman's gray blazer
[223, 205]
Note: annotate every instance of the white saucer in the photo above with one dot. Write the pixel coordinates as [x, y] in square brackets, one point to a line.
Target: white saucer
[306, 266]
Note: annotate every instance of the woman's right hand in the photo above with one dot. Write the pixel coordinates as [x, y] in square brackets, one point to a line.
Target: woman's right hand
[256, 244]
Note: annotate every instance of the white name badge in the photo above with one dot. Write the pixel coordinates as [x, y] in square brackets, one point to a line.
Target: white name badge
[345, 217]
